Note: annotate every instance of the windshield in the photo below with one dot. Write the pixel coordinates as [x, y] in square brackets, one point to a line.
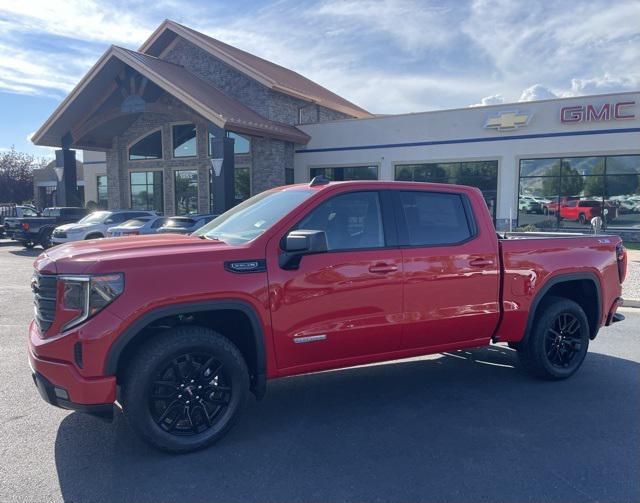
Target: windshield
[95, 218]
[135, 223]
[254, 216]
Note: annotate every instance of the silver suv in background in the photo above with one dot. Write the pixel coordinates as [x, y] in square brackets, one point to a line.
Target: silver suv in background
[95, 225]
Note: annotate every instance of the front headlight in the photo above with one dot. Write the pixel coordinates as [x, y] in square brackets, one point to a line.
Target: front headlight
[84, 296]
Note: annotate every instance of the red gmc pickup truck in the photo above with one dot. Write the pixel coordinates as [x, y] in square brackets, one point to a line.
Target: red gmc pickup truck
[177, 330]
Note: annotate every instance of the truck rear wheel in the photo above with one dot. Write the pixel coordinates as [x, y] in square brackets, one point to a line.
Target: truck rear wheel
[185, 388]
[558, 342]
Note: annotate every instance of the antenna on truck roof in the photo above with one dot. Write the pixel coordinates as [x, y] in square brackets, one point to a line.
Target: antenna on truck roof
[318, 180]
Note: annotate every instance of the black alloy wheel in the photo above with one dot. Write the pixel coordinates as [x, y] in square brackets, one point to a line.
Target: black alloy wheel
[184, 388]
[190, 393]
[558, 342]
[563, 340]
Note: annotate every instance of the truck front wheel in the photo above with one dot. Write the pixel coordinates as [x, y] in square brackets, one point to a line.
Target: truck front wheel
[558, 342]
[185, 388]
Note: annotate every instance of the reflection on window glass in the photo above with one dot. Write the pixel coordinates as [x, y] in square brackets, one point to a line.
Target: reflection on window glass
[146, 191]
[242, 183]
[241, 144]
[481, 174]
[350, 221]
[339, 174]
[289, 176]
[434, 218]
[585, 188]
[186, 192]
[103, 197]
[184, 140]
[150, 147]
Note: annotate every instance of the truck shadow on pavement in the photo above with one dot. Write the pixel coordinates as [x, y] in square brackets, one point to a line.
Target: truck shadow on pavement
[27, 252]
[463, 426]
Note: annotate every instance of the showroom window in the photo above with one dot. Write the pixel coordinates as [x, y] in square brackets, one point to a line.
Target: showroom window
[146, 191]
[184, 140]
[149, 147]
[102, 194]
[289, 176]
[186, 191]
[567, 193]
[481, 174]
[242, 183]
[241, 144]
[339, 174]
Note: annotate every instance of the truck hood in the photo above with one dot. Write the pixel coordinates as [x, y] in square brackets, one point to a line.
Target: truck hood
[101, 255]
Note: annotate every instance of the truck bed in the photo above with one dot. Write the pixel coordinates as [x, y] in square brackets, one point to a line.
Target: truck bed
[531, 261]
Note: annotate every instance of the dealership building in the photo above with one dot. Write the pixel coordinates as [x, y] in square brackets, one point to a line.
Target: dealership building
[188, 124]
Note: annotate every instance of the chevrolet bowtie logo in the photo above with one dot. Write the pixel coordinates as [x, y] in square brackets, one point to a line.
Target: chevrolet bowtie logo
[506, 121]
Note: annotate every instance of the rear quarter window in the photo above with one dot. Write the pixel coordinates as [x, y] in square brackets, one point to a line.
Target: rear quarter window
[435, 218]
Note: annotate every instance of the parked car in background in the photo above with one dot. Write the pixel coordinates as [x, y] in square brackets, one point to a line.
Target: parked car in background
[585, 209]
[138, 226]
[32, 231]
[185, 225]
[95, 225]
[14, 211]
[530, 204]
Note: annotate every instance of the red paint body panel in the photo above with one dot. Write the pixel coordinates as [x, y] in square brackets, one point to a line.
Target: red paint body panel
[362, 306]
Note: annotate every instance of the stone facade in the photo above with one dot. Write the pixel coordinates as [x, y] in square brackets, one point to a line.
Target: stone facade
[119, 166]
[268, 158]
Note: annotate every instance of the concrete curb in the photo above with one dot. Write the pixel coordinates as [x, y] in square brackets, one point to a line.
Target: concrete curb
[631, 303]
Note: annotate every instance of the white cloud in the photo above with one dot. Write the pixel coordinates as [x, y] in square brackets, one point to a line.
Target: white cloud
[537, 92]
[553, 42]
[88, 20]
[494, 99]
[414, 26]
[604, 84]
[387, 56]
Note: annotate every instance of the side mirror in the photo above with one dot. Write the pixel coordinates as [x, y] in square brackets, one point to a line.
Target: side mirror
[299, 243]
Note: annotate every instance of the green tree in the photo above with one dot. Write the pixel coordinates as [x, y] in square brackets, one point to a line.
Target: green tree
[16, 175]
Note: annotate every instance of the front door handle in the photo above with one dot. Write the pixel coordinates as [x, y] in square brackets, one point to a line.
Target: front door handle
[481, 262]
[383, 268]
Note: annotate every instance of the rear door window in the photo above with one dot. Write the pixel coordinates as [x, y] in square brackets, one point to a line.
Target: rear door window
[435, 218]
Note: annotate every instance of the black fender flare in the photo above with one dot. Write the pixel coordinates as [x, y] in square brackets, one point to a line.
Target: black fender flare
[556, 280]
[259, 383]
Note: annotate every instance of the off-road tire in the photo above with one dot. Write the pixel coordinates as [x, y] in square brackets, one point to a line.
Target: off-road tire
[143, 370]
[533, 353]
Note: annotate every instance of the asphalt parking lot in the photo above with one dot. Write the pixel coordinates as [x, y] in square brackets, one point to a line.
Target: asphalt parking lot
[465, 426]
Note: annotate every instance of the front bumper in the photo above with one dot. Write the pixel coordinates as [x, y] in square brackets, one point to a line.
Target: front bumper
[55, 396]
[59, 383]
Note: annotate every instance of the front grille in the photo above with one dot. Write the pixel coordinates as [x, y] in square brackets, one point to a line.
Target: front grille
[44, 288]
[60, 234]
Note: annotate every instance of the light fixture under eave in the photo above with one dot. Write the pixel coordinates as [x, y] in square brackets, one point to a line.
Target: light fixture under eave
[216, 164]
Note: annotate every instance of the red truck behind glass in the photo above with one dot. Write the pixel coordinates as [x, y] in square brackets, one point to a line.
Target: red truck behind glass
[178, 330]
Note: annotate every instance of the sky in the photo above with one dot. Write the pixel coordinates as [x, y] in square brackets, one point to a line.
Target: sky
[392, 56]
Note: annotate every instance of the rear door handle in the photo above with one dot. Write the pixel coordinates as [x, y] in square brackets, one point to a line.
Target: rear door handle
[383, 268]
[481, 262]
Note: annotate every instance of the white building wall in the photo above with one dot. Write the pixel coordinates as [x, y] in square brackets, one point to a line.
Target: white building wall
[95, 164]
[471, 140]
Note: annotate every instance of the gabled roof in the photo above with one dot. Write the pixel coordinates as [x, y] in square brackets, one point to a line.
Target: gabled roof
[199, 95]
[267, 73]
